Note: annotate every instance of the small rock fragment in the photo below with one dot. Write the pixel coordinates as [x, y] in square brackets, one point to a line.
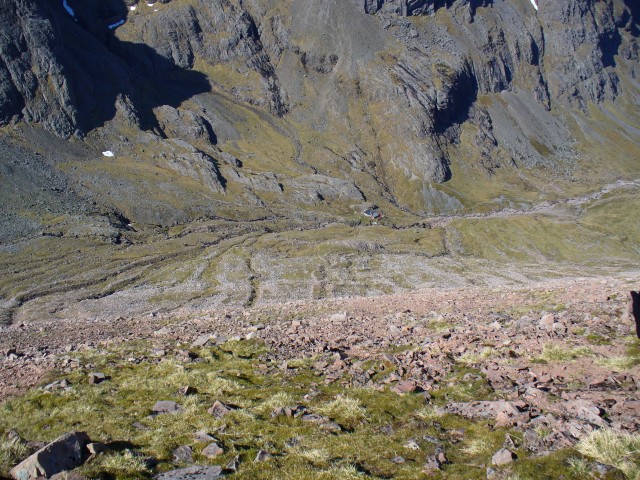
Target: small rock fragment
[96, 447]
[503, 456]
[96, 377]
[212, 450]
[183, 454]
[166, 406]
[219, 409]
[263, 456]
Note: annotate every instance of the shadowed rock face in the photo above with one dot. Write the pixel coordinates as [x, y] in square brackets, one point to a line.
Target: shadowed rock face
[397, 79]
[634, 310]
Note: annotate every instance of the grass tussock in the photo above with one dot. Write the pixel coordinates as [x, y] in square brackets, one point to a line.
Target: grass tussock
[617, 449]
[12, 451]
[558, 353]
[347, 411]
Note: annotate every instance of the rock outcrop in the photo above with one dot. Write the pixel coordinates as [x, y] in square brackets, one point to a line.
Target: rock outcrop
[362, 72]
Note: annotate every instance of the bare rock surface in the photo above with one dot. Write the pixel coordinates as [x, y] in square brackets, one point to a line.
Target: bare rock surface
[65, 453]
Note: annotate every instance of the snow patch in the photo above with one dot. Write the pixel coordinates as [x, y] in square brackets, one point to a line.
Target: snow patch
[116, 25]
[108, 153]
[133, 8]
[68, 8]
[535, 4]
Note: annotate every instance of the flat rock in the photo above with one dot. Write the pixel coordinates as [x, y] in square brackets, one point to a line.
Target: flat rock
[585, 410]
[64, 453]
[195, 472]
[166, 406]
[202, 341]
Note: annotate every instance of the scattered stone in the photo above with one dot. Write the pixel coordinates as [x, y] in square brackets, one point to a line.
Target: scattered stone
[505, 413]
[412, 445]
[263, 456]
[95, 448]
[405, 386]
[531, 439]
[187, 390]
[166, 406]
[183, 454]
[64, 453]
[547, 321]
[233, 464]
[219, 409]
[202, 436]
[96, 377]
[433, 464]
[212, 450]
[315, 418]
[398, 460]
[585, 410]
[195, 472]
[202, 341]
[503, 456]
[140, 426]
[331, 427]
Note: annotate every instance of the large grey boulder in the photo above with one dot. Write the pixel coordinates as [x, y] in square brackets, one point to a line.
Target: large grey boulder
[195, 472]
[64, 453]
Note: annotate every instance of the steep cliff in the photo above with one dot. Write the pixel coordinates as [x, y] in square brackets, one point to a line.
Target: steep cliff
[394, 97]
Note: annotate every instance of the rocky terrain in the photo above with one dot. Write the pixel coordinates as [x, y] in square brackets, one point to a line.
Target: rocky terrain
[189, 285]
[542, 369]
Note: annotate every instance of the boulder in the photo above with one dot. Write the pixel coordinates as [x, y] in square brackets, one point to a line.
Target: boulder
[64, 453]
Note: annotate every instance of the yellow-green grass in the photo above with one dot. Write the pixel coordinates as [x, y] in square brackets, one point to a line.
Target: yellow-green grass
[376, 424]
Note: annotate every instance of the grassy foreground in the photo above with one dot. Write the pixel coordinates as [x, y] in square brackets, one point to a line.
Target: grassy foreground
[366, 433]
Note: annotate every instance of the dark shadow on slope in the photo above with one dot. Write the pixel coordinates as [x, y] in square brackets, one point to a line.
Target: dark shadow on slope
[105, 70]
[634, 9]
[463, 94]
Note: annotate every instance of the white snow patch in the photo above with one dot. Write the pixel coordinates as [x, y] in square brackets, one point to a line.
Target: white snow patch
[133, 8]
[68, 8]
[535, 4]
[108, 153]
[116, 25]
[149, 4]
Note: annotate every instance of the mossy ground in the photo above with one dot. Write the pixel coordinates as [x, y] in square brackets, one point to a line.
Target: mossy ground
[376, 424]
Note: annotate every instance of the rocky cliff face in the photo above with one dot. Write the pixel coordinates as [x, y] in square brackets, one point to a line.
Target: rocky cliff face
[384, 94]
